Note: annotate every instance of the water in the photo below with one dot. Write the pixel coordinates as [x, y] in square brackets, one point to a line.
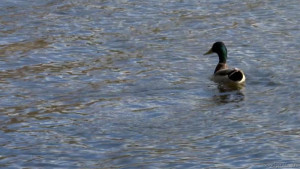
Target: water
[124, 84]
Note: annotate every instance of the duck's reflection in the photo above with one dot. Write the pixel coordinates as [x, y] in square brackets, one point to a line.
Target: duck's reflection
[229, 94]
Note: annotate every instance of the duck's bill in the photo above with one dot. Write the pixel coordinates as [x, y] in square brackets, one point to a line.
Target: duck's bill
[208, 52]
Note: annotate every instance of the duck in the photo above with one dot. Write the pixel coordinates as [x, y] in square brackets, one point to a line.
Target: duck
[223, 74]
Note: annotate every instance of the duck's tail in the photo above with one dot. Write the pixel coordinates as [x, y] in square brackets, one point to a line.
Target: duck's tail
[236, 75]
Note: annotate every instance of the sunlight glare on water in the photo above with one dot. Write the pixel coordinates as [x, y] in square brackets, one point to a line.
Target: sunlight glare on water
[124, 84]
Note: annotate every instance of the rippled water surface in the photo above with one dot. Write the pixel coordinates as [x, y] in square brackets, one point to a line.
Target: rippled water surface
[124, 84]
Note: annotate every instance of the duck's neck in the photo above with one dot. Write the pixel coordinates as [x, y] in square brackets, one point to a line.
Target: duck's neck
[222, 53]
[222, 59]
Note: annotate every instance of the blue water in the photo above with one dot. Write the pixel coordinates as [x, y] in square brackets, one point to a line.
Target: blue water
[124, 84]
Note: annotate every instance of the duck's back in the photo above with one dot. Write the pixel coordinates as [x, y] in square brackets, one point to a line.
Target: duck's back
[229, 76]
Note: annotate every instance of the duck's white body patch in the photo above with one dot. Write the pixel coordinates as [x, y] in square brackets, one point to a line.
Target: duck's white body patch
[221, 76]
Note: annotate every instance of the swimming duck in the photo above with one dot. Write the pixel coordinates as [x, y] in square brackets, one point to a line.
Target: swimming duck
[223, 74]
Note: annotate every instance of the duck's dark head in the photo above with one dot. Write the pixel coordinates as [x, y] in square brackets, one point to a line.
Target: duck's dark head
[220, 49]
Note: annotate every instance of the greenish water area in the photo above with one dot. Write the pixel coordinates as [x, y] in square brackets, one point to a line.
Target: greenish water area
[125, 84]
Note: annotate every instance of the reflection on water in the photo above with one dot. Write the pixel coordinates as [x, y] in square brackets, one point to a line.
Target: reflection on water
[22, 47]
[228, 95]
[123, 84]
